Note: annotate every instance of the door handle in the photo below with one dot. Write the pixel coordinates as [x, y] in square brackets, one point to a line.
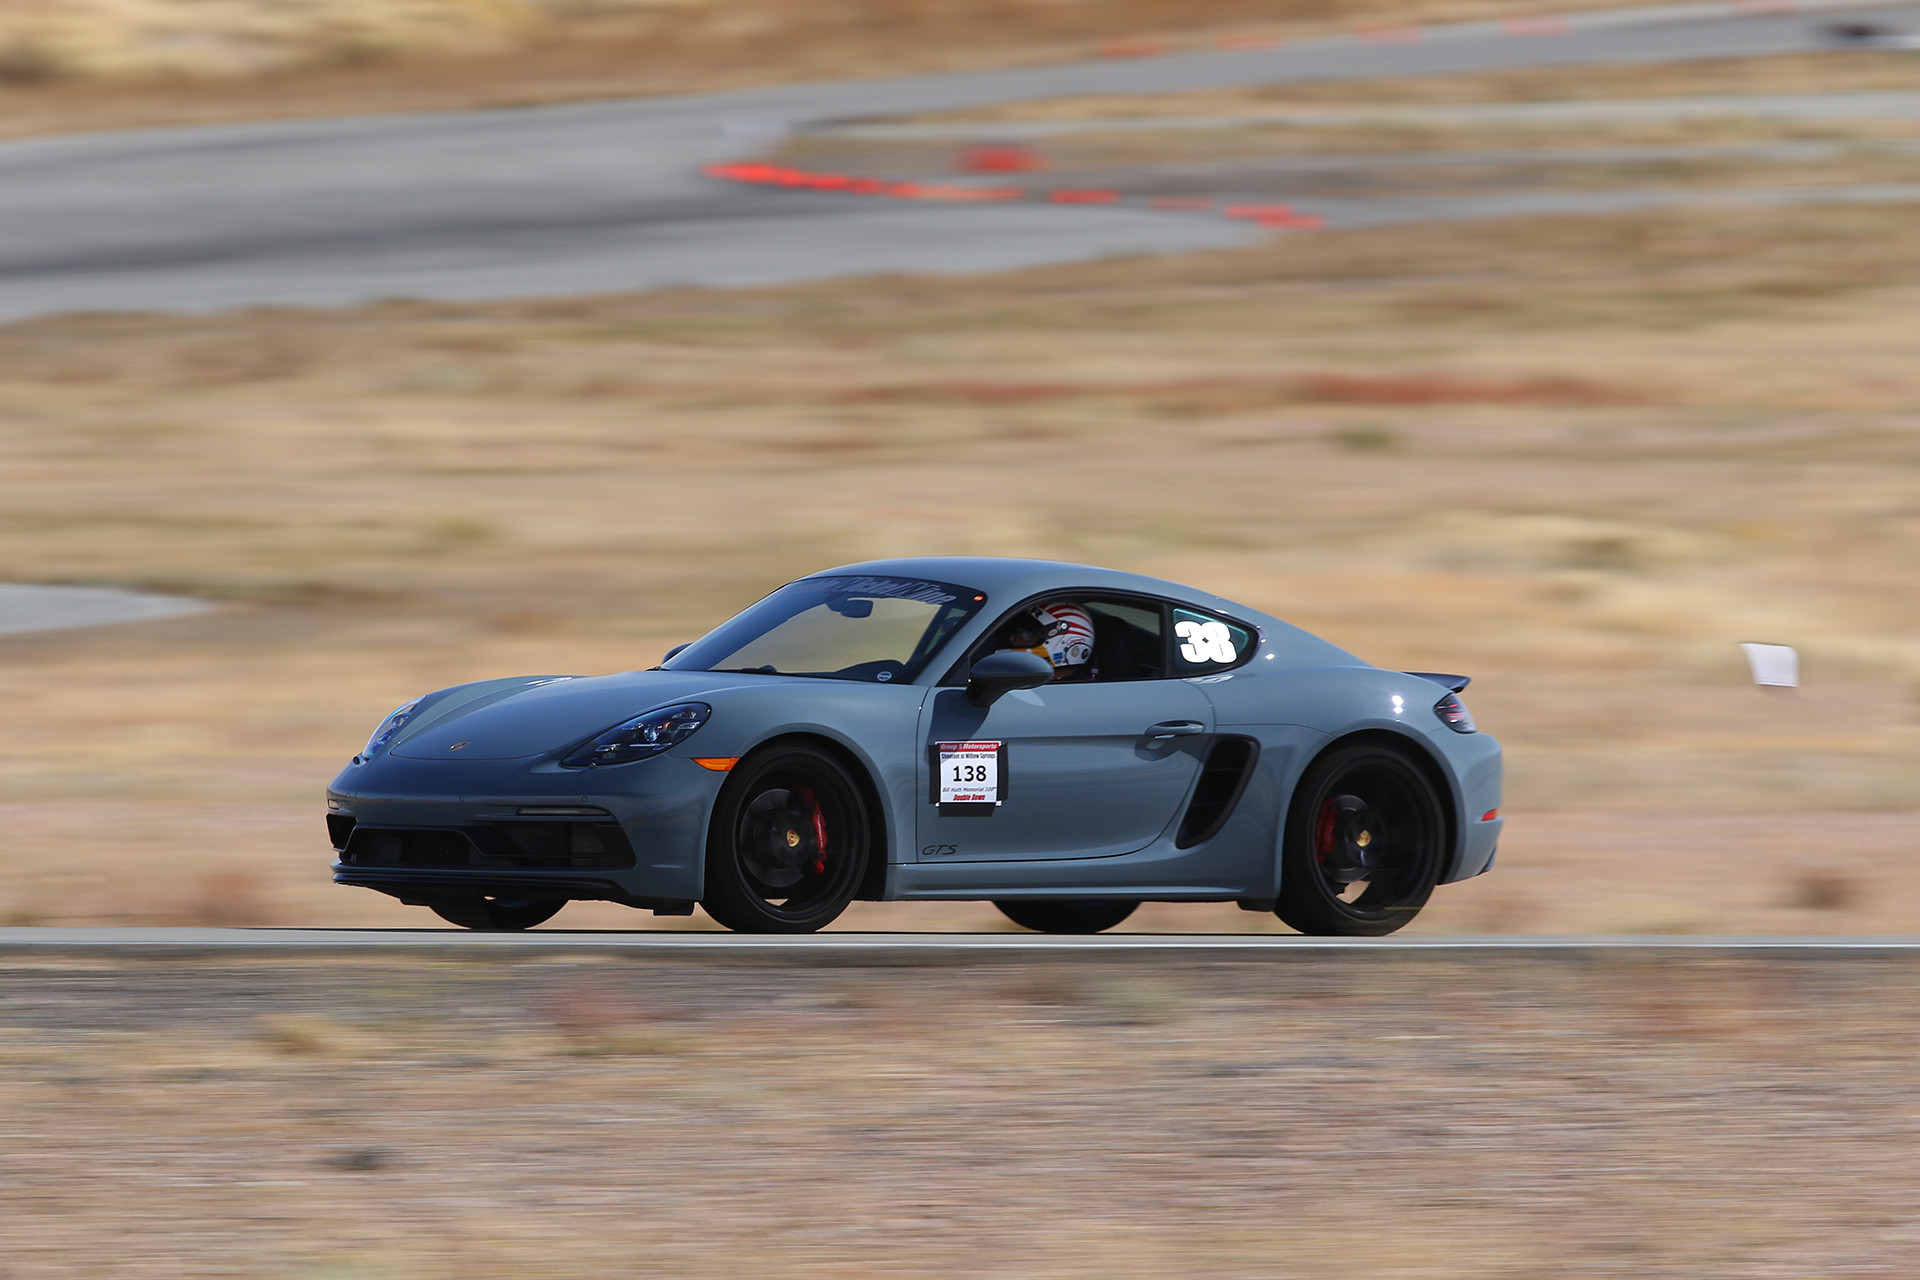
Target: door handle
[1176, 729]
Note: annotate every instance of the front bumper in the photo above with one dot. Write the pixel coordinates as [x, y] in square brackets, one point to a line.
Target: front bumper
[429, 829]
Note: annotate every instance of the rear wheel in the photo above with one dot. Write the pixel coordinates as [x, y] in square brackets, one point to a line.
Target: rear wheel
[1363, 844]
[505, 914]
[788, 843]
[1065, 915]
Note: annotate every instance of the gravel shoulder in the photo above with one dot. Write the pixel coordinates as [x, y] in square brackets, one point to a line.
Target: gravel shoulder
[1418, 1115]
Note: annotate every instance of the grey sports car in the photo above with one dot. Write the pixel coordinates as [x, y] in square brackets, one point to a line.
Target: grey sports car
[1064, 741]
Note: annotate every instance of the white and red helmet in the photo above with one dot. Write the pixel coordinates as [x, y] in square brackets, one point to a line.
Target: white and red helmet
[1068, 632]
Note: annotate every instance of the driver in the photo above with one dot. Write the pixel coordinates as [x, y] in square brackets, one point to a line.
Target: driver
[1060, 632]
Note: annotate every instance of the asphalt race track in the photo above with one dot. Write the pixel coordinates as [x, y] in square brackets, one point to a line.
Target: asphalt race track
[159, 941]
[610, 196]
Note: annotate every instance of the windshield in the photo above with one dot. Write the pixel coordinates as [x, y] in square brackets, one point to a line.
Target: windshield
[847, 628]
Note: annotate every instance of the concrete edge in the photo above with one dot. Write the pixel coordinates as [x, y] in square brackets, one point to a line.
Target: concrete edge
[669, 941]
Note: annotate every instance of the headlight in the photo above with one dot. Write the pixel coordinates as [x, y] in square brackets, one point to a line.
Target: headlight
[641, 737]
[388, 727]
[1454, 714]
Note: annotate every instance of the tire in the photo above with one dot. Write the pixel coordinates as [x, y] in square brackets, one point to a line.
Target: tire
[497, 914]
[788, 844]
[1363, 844]
[1065, 915]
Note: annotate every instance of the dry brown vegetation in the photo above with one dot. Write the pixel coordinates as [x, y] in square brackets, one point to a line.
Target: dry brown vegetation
[1579, 459]
[94, 64]
[404, 1118]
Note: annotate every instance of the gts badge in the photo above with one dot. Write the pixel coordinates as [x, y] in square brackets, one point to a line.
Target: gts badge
[456, 746]
[940, 851]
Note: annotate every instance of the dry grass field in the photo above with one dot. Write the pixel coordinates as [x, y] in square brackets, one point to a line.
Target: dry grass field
[1579, 459]
[1417, 1116]
[69, 65]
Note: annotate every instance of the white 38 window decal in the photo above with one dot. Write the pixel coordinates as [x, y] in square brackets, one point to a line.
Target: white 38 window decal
[1208, 641]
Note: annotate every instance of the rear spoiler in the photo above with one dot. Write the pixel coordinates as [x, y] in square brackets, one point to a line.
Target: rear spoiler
[1455, 683]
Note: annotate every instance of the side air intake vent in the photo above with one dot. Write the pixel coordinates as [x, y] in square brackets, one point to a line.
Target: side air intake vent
[1222, 778]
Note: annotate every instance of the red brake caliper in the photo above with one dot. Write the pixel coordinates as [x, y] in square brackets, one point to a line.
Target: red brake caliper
[1323, 831]
[806, 797]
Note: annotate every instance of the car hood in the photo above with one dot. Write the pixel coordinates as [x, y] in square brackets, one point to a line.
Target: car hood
[540, 715]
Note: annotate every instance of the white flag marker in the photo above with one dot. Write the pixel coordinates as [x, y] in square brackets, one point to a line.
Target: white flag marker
[1774, 665]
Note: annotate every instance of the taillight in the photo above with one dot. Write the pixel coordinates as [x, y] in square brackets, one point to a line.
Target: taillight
[1454, 714]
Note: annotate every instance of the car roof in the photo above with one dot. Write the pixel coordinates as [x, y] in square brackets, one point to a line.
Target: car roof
[1005, 580]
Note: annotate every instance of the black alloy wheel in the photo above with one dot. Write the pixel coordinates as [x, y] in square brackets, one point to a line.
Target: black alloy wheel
[788, 843]
[1065, 915]
[1364, 843]
[499, 914]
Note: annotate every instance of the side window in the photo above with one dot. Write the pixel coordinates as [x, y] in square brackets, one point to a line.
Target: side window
[1203, 643]
[1087, 638]
[1126, 640]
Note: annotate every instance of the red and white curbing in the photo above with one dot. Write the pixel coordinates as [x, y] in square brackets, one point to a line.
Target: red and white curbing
[776, 175]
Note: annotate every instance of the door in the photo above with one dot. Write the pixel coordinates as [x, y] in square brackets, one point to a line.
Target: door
[1089, 770]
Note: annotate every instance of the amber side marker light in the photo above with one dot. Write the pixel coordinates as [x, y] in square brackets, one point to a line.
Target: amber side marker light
[719, 764]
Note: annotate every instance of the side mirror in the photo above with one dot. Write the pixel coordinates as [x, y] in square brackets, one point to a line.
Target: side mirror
[998, 674]
[677, 648]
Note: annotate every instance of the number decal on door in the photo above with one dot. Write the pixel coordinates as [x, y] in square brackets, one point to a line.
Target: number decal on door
[1208, 641]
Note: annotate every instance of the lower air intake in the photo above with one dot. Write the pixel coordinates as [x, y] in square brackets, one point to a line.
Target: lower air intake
[567, 844]
[500, 846]
[438, 849]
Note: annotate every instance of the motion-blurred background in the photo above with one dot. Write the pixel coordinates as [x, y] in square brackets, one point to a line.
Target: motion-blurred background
[1569, 350]
[1570, 377]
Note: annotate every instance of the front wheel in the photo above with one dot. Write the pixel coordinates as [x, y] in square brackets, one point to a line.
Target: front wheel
[1363, 844]
[788, 843]
[497, 914]
[1065, 915]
